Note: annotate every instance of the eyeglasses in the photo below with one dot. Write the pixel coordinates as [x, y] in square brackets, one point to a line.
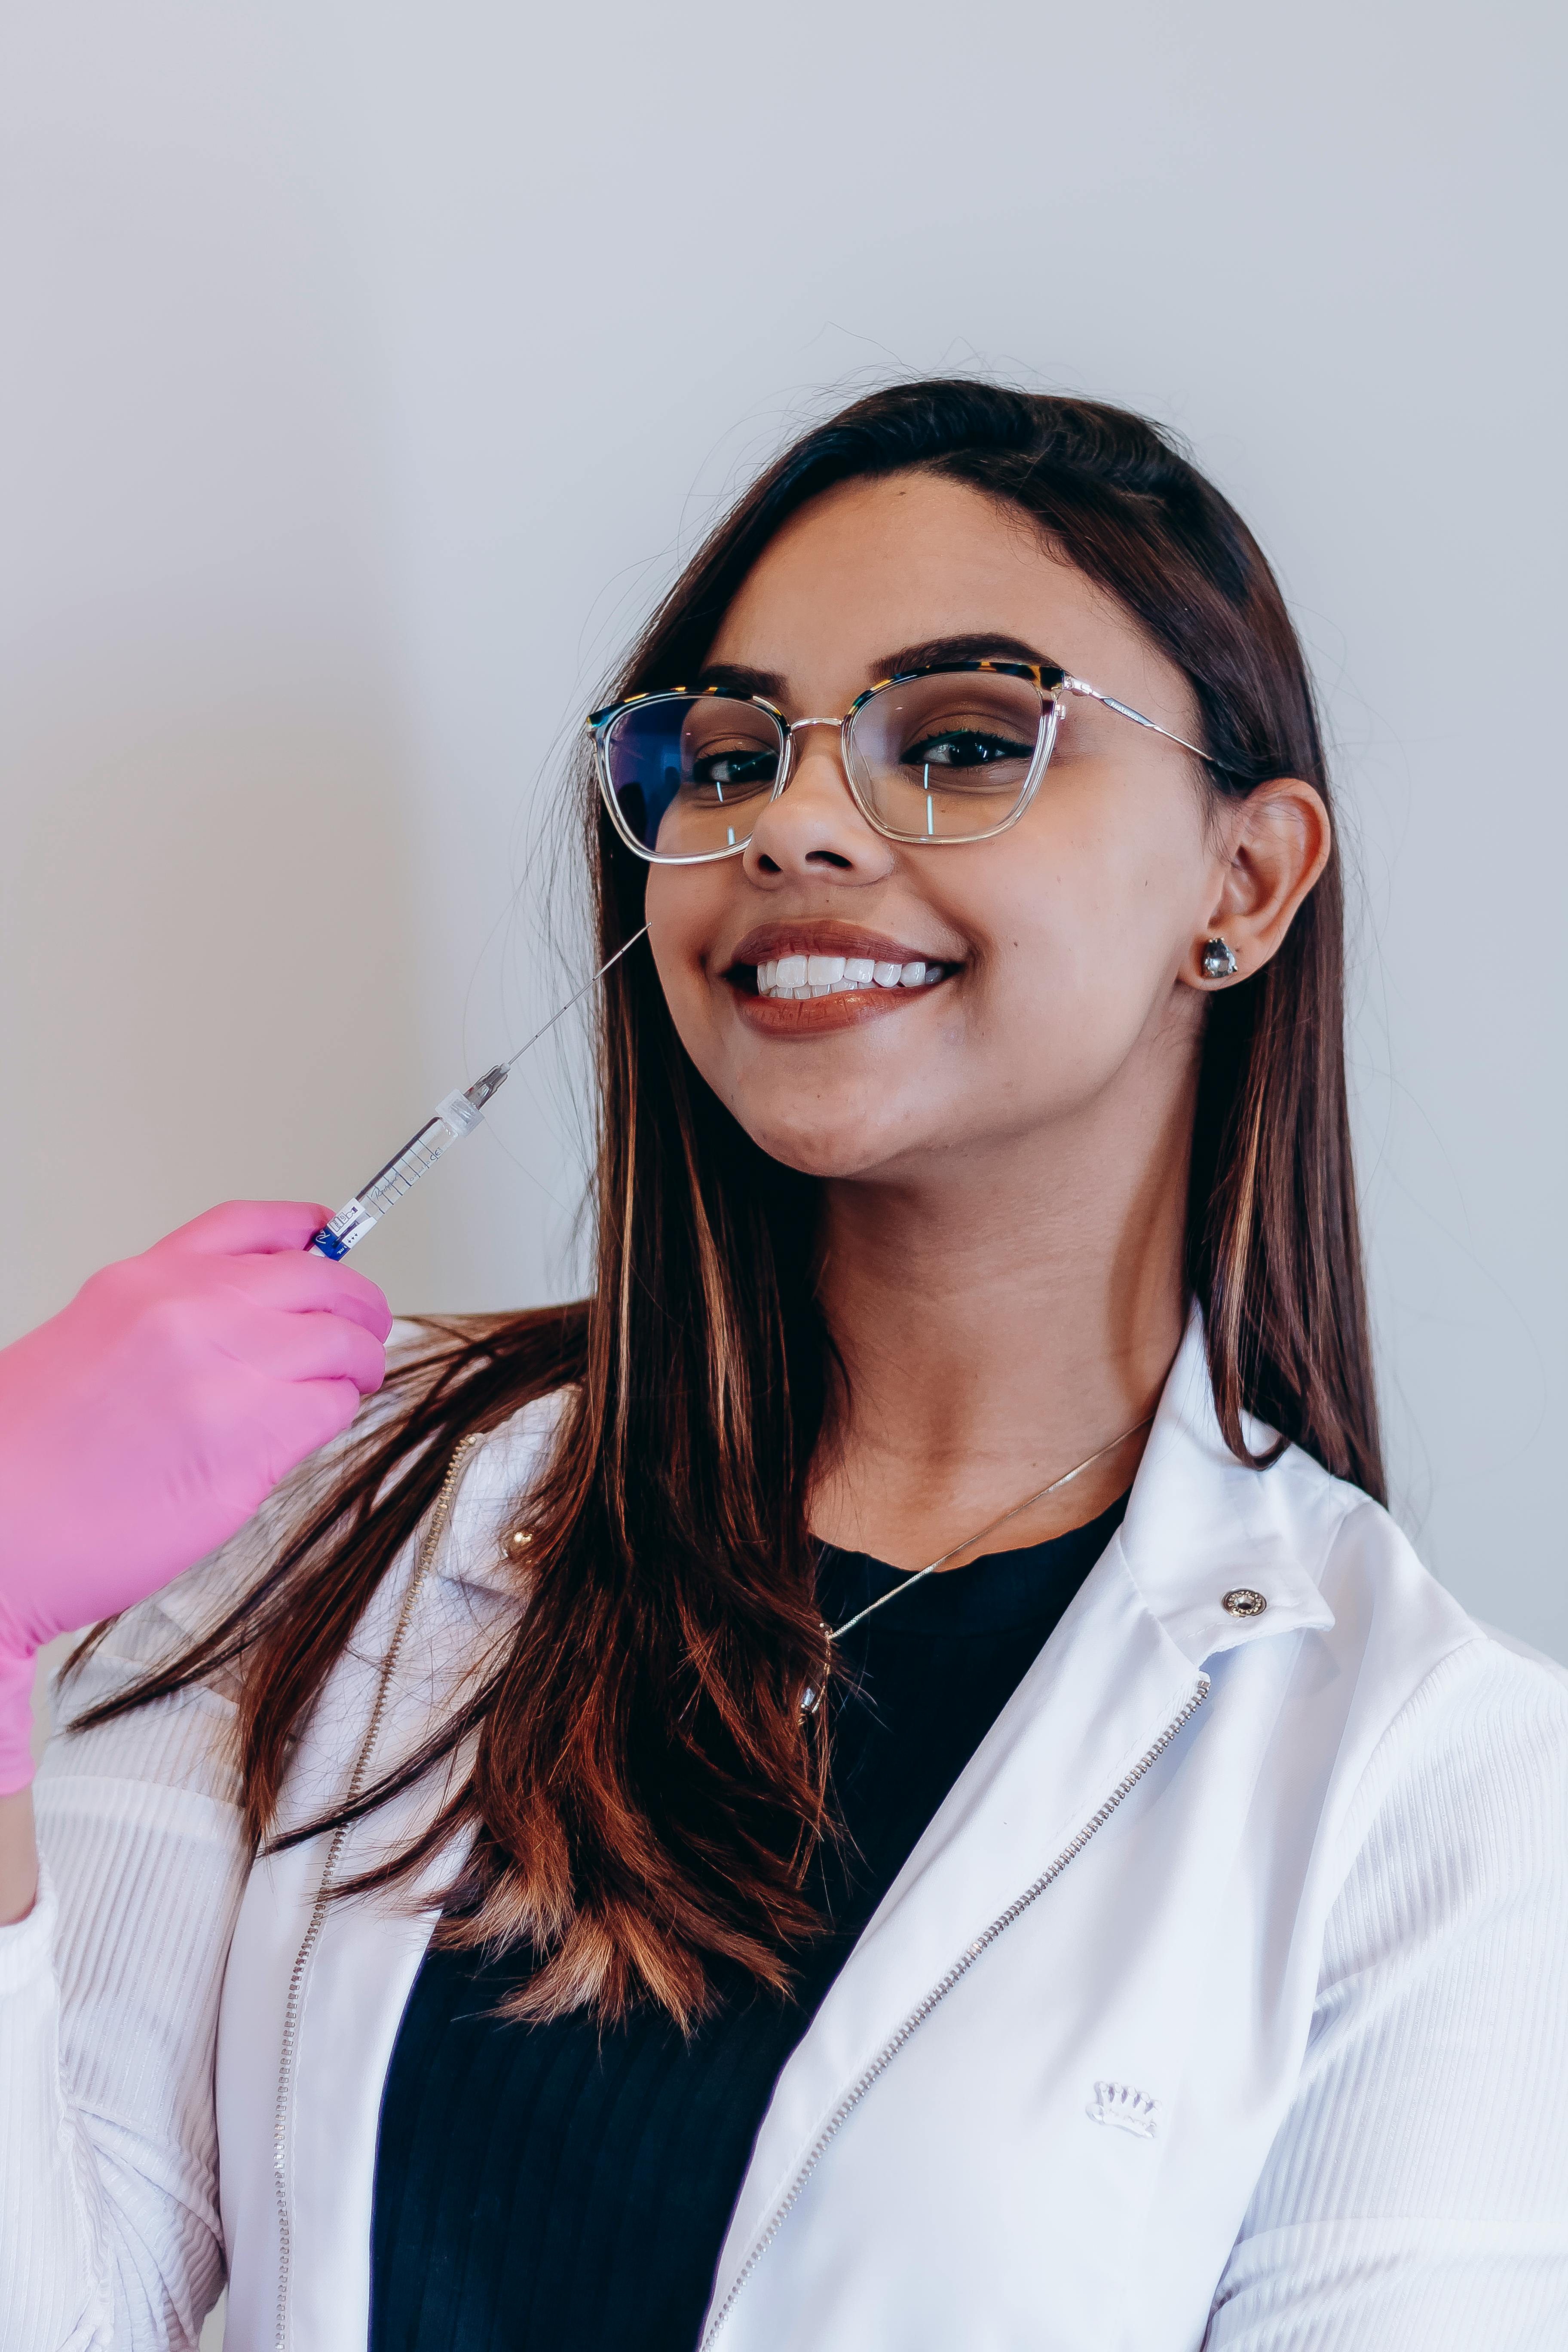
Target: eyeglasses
[953, 752]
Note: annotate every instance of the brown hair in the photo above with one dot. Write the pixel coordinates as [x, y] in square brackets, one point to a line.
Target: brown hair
[644, 1791]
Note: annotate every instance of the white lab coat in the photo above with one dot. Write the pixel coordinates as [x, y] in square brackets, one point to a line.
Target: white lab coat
[1224, 2003]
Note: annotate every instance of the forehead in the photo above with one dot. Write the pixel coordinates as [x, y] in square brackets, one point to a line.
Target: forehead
[873, 567]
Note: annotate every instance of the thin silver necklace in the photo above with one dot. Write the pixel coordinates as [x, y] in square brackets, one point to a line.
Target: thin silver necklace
[811, 1694]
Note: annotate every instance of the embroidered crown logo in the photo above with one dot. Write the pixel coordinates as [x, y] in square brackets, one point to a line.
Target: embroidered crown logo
[1129, 2110]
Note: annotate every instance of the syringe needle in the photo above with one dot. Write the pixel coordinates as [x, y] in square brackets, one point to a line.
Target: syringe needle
[563, 1009]
[455, 1115]
[479, 1093]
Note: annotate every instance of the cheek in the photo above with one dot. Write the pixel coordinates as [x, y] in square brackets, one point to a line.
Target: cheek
[1086, 928]
[683, 908]
[670, 897]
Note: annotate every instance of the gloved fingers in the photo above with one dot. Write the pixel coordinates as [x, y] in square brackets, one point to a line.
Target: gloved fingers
[304, 1346]
[238, 1227]
[298, 1282]
[302, 1416]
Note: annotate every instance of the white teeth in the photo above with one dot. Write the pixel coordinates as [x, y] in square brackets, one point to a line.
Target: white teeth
[795, 977]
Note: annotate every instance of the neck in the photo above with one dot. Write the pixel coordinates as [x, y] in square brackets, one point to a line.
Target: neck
[1000, 1319]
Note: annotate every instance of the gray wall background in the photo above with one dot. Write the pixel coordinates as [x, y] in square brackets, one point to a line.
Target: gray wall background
[368, 367]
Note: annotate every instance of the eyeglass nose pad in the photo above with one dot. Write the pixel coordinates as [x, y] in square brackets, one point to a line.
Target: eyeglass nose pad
[793, 753]
[1053, 706]
[848, 800]
[794, 728]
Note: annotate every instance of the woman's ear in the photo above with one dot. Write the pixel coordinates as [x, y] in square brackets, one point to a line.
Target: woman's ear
[1273, 847]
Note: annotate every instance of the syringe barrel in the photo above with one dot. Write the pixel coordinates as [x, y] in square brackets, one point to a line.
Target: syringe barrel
[453, 1117]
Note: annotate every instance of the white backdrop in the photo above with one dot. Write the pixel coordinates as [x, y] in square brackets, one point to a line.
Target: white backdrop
[368, 365]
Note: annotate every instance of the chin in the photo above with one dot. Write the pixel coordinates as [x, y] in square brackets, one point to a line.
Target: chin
[827, 1150]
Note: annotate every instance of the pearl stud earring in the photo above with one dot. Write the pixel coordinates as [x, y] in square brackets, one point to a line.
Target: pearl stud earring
[516, 1541]
[1218, 962]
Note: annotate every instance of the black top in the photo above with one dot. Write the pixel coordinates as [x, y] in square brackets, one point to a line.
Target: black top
[550, 2185]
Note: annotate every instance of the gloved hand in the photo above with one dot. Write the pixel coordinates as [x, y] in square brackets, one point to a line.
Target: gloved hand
[148, 1421]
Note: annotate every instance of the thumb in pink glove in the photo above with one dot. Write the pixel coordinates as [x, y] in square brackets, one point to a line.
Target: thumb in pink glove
[147, 1423]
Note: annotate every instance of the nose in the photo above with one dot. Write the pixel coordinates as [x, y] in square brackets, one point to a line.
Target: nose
[814, 827]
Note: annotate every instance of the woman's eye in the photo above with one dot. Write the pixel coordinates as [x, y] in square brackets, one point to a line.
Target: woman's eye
[966, 747]
[735, 771]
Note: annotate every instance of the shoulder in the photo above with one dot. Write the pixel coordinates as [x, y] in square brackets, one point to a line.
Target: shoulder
[1328, 1566]
[1462, 1730]
[1387, 1680]
[1385, 1600]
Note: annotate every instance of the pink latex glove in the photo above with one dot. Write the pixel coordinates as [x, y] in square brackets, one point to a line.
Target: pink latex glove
[147, 1421]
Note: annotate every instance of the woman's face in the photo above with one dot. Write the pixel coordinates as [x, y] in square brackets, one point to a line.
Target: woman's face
[1068, 946]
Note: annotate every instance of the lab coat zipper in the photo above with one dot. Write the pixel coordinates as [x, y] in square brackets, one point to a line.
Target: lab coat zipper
[939, 1992]
[306, 1954]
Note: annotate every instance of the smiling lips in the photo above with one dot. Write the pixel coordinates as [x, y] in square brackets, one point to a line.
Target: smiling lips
[800, 978]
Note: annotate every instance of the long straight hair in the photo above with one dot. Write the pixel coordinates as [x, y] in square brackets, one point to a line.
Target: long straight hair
[645, 1791]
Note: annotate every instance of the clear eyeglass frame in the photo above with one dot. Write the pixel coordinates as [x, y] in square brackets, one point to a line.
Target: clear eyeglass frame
[1052, 685]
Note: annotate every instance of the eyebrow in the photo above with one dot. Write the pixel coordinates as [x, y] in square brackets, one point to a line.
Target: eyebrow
[739, 679]
[976, 645]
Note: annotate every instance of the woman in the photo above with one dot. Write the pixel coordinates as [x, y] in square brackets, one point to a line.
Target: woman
[562, 1875]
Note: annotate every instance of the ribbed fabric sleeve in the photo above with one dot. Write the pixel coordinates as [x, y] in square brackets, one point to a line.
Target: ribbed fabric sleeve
[1417, 2198]
[109, 2000]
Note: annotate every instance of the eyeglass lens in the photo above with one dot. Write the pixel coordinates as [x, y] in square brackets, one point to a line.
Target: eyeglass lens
[946, 757]
[692, 773]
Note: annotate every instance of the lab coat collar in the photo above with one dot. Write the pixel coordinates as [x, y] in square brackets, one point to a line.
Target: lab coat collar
[1201, 1524]
[486, 1504]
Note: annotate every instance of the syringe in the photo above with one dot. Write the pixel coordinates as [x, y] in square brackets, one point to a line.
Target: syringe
[455, 1115]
